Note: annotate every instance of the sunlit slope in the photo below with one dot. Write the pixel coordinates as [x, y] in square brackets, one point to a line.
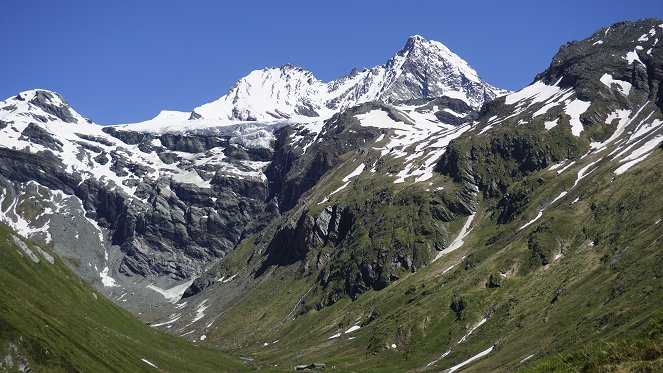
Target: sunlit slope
[51, 321]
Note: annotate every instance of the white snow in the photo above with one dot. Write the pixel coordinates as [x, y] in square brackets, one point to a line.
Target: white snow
[527, 358]
[458, 241]
[574, 109]
[49, 258]
[452, 266]
[561, 195]
[624, 120]
[566, 167]
[623, 87]
[550, 124]
[393, 345]
[278, 93]
[481, 322]
[200, 312]
[380, 119]
[539, 215]
[106, 280]
[170, 321]
[639, 154]
[352, 329]
[555, 166]
[335, 336]
[633, 56]
[583, 172]
[473, 358]
[203, 337]
[173, 294]
[537, 92]
[149, 363]
[346, 180]
[25, 248]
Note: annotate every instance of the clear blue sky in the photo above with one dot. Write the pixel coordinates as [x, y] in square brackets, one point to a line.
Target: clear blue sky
[124, 61]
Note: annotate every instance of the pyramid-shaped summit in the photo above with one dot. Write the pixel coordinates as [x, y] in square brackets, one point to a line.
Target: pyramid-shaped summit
[421, 69]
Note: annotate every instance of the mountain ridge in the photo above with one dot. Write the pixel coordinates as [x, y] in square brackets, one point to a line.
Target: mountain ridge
[417, 234]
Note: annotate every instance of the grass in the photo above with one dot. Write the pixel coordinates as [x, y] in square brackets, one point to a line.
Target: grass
[595, 291]
[52, 321]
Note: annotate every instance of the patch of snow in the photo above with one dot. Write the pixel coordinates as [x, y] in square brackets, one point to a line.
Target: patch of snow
[393, 345]
[335, 336]
[583, 172]
[624, 120]
[346, 181]
[550, 124]
[561, 195]
[566, 167]
[149, 363]
[556, 166]
[481, 322]
[633, 56]
[473, 358]
[574, 109]
[175, 293]
[200, 312]
[49, 258]
[203, 337]
[380, 119]
[106, 280]
[527, 358]
[170, 321]
[623, 87]
[25, 248]
[598, 42]
[458, 241]
[539, 215]
[352, 329]
[537, 92]
[639, 154]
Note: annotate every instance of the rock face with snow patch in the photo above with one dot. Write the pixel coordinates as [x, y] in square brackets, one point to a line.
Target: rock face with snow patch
[162, 205]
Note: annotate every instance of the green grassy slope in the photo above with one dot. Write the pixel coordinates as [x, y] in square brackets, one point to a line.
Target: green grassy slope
[51, 321]
[585, 274]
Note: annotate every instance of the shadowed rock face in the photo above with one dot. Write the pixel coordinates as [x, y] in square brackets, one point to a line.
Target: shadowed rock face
[167, 227]
[53, 103]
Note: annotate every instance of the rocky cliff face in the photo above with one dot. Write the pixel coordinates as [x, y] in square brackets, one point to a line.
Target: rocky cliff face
[157, 207]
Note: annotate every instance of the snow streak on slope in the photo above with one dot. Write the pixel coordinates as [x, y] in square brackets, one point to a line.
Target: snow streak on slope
[413, 135]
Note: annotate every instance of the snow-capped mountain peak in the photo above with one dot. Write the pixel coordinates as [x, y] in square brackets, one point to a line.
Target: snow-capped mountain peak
[266, 95]
[421, 69]
[39, 106]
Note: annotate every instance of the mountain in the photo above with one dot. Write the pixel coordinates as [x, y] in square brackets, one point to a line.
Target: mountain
[408, 217]
[421, 69]
[536, 230]
[52, 321]
[154, 204]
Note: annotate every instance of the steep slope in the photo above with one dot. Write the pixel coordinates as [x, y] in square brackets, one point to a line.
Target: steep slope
[135, 213]
[52, 321]
[421, 69]
[539, 232]
[150, 206]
